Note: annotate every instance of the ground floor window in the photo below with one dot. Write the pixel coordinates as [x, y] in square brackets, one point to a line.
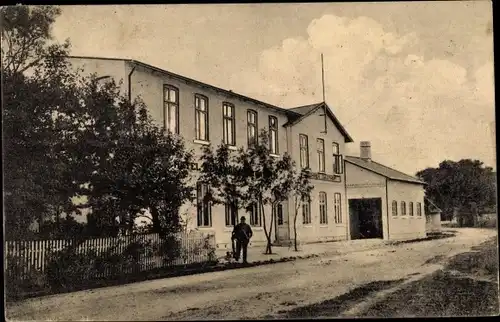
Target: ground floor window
[204, 207]
[231, 214]
[306, 213]
[410, 208]
[394, 208]
[403, 208]
[323, 214]
[255, 215]
[279, 214]
[337, 206]
[419, 209]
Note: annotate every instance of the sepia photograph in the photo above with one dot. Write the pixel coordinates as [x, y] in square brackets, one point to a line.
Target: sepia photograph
[249, 161]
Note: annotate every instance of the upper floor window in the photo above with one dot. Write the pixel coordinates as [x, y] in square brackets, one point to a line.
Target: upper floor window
[252, 128]
[403, 208]
[410, 208]
[201, 117]
[204, 207]
[337, 159]
[323, 214]
[394, 208]
[273, 134]
[321, 155]
[419, 209]
[337, 206]
[304, 151]
[171, 108]
[306, 213]
[255, 215]
[228, 124]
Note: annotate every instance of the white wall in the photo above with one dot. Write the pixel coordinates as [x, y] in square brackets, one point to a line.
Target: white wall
[406, 227]
[361, 184]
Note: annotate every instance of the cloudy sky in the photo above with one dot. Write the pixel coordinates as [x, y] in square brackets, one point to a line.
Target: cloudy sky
[415, 79]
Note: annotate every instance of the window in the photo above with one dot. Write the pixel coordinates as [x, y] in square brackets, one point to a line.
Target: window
[204, 207]
[321, 155]
[228, 124]
[403, 208]
[410, 208]
[231, 214]
[304, 151]
[306, 213]
[273, 134]
[337, 206]
[201, 117]
[394, 208]
[252, 128]
[337, 159]
[255, 215]
[419, 209]
[171, 108]
[323, 215]
[279, 214]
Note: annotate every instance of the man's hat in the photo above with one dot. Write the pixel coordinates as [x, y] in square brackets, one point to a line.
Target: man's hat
[242, 218]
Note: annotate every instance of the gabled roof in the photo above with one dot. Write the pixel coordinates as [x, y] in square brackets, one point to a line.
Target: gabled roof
[382, 170]
[230, 93]
[430, 207]
[306, 110]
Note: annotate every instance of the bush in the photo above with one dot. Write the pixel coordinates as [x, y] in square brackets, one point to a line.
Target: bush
[68, 269]
[15, 285]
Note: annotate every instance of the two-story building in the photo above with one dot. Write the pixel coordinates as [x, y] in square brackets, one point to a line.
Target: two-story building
[204, 114]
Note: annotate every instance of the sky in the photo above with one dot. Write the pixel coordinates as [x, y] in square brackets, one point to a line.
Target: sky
[414, 78]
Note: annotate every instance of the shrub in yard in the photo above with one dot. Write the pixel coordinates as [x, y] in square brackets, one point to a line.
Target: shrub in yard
[68, 269]
[18, 281]
[170, 248]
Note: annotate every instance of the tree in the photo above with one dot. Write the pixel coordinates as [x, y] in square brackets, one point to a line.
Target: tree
[220, 172]
[301, 192]
[36, 182]
[458, 184]
[130, 164]
[264, 179]
[68, 136]
[26, 35]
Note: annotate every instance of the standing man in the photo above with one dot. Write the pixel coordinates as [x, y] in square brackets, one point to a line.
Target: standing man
[242, 232]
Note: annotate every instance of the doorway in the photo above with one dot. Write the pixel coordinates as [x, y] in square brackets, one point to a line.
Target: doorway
[366, 218]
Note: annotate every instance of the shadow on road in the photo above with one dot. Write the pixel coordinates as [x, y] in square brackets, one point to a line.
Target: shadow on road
[430, 236]
[333, 307]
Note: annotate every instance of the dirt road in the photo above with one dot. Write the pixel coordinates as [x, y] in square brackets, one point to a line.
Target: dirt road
[259, 292]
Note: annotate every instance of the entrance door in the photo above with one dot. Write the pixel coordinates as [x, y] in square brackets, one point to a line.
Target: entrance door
[366, 218]
[281, 224]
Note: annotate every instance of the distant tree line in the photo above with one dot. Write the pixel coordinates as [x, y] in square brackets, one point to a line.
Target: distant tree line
[458, 186]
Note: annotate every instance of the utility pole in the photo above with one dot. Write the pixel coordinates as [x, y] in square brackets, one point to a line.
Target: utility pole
[323, 88]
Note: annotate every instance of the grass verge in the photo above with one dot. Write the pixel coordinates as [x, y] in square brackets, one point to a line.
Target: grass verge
[467, 286]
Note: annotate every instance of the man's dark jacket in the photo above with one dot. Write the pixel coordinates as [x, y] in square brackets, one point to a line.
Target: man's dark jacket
[242, 232]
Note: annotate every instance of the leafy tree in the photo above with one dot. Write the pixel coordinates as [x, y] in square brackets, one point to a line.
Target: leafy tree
[458, 184]
[220, 172]
[66, 136]
[36, 178]
[265, 180]
[301, 192]
[26, 36]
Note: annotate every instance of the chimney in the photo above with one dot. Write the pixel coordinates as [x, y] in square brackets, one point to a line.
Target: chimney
[365, 150]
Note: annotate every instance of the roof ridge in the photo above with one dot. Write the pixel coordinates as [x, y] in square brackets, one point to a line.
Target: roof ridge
[230, 92]
[406, 174]
[415, 179]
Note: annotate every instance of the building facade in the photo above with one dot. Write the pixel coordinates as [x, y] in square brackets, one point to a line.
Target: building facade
[204, 114]
[383, 202]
